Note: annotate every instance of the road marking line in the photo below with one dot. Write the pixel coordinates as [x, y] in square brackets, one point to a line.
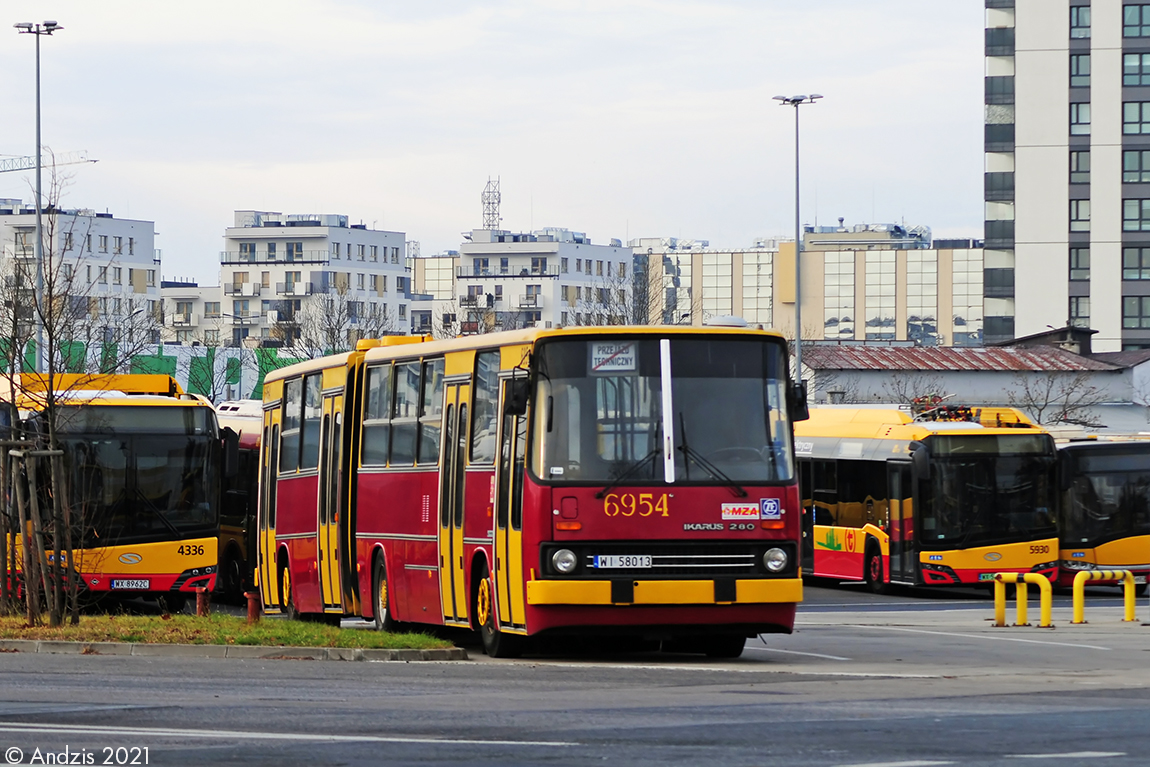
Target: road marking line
[1069, 755]
[796, 652]
[916, 763]
[977, 636]
[159, 732]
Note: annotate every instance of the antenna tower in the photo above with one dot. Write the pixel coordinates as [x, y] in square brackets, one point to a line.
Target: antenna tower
[491, 204]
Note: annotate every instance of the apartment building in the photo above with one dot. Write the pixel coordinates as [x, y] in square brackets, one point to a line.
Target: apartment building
[1067, 141]
[280, 274]
[108, 267]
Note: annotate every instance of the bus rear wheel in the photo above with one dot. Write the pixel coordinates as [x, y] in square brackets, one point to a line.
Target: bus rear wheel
[496, 643]
[724, 646]
[287, 599]
[873, 571]
[384, 621]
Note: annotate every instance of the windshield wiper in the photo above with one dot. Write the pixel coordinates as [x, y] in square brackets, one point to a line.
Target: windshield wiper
[631, 470]
[689, 453]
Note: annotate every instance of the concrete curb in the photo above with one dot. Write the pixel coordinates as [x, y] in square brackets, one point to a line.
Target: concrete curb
[252, 652]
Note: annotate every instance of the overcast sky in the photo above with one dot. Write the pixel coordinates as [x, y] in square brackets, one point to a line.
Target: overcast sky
[618, 118]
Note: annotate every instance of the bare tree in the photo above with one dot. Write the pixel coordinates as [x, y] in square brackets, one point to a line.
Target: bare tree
[1057, 397]
[907, 388]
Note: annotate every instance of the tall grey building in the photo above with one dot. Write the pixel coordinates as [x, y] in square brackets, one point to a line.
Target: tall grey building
[1068, 169]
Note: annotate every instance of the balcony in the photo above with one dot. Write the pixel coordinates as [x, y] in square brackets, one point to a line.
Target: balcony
[235, 258]
[530, 302]
[183, 320]
[472, 301]
[295, 288]
[242, 289]
[511, 271]
[243, 318]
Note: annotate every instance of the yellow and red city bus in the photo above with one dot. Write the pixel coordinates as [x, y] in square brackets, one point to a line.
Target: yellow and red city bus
[143, 463]
[237, 542]
[1104, 516]
[947, 499]
[622, 480]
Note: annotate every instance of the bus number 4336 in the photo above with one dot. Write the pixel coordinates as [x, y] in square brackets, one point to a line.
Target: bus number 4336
[189, 550]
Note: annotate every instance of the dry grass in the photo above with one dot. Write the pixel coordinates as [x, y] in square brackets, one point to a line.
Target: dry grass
[215, 629]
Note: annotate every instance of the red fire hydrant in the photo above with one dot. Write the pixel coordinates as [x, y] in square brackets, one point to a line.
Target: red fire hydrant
[253, 606]
[203, 602]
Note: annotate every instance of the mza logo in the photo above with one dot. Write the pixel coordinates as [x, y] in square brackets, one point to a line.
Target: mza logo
[992, 556]
[131, 559]
[771, 508]
[740, 511]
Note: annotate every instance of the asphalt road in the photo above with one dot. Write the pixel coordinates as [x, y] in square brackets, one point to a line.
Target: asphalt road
[910, 679]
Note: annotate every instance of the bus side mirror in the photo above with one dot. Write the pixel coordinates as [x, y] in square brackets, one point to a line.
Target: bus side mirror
[797, 401]
[231, 452]
[517, 395]
[920, 463]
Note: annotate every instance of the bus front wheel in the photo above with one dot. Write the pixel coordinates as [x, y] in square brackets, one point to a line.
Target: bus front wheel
[287, 599]
[873, 571]
[724, 646]
[384, 621]
[495, 643]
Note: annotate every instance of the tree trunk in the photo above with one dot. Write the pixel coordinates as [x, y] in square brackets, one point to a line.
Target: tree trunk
[47, 569]
[30, 568]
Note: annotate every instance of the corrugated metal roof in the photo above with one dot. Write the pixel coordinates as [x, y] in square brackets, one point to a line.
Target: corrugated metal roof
[1123, 359]
[1047, 358]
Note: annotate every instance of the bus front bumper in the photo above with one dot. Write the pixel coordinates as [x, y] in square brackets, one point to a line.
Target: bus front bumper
[699, 592]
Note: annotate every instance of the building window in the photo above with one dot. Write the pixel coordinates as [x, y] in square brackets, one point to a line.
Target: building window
[1136, 263]
[403, 311]
[103, 243]
[1135, 117]
[335, 249]
[1079, 264]
[1135, 166]
[1000, 90]
[88, 242]
[1080, 167]
[103, 275]
[1080, 215]
[152, 278]
[395, 255]
[563, 265]
[131, 246]
[295, 251]
[375, 253]
[622, 270]
[1080, 120]
[598, 268]
[247, 251]
[1079, 313]
[68, 241]
[117, 245]
[1136, 21]
[117, 275]
[1135, 216]
[362, 252]
[271, 251]
[1079, 70]
[539, 266]
[1079, 21]
[211, 308]
[1136, 312]
[1135, 69]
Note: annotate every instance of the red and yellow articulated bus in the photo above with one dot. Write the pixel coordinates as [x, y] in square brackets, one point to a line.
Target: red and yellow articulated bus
[597, 481]
[951, 497]
[1104, 517]
[144, 463]
[237, 542]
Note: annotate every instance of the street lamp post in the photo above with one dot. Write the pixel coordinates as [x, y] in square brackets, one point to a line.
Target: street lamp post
[39, 30]
[796, 102]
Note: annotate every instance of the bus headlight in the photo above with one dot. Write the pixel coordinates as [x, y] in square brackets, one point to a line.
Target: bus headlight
[775, 560]
[564, 561]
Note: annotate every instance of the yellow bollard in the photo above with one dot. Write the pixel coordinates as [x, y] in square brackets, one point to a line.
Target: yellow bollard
[1045, 598]
[1082, 577]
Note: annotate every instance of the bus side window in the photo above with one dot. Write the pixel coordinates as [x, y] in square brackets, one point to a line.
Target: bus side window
[292, 416]
[377, 416]
[517, 473]
[312, 410]
[403, 423]
[824, 491]
[431, 411]
[484, 418]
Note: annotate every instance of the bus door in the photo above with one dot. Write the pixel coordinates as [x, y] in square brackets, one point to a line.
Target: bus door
[329, 464]
[806, 501]
[267, 569]
[901, 516]
[453, 583]
[509, 518]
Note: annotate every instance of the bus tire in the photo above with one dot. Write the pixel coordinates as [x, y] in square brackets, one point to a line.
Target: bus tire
[496, 643]
[287, 599]
[1140, 589]
[872, 571]
[384, 620]
[231, 577]
[724, 646]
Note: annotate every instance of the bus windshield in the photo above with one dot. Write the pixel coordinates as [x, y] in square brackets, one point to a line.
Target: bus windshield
[133, 483]
[986, 489]
[1109, 498]
[600, 411]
